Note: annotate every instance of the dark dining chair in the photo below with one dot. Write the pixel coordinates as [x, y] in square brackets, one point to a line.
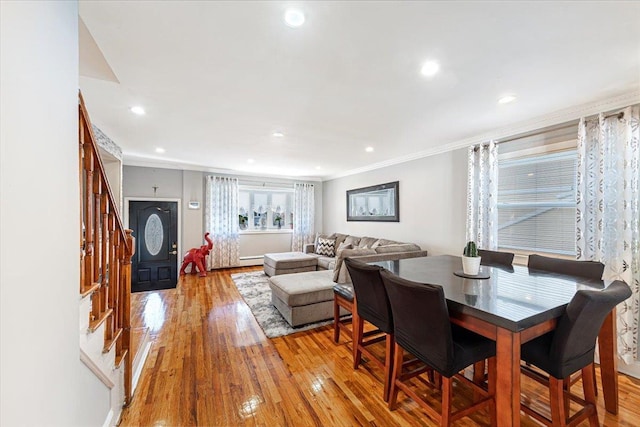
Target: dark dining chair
[488, 257]
[342, 298]
[371, 304]
[422, 328]
[588, 269]
[570, 348]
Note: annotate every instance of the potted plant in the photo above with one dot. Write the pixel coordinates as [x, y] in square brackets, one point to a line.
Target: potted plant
[470, 259]
[277, 219]
[243, 220]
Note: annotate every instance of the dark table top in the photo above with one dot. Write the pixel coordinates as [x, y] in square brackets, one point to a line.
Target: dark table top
[514, 298]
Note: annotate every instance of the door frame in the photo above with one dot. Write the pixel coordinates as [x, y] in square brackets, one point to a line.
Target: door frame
[179, 219]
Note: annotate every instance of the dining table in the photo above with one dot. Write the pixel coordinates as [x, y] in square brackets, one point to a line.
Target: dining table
[513, 305]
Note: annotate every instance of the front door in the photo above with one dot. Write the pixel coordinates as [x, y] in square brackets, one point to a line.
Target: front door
[155, 227]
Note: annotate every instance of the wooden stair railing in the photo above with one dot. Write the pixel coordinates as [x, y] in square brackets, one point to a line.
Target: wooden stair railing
[106, 248]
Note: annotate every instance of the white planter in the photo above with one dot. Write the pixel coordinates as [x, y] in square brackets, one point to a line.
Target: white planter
[470, 265]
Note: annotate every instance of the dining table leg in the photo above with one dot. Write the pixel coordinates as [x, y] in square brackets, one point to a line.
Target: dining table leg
[508, 378]
[608, 348]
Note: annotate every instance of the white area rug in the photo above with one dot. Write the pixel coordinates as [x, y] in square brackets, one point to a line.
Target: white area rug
[254, 288]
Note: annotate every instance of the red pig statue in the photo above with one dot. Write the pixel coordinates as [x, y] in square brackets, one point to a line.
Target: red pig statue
[197, 258]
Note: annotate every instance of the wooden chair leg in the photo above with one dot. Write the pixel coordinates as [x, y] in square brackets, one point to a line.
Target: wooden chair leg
[566, 385]
[556, 392]
[588, 373]
[445, 418]
[492, 387]
[388, 365]
[336, 319]
[398, 355]
[478, 377]
[357, 326]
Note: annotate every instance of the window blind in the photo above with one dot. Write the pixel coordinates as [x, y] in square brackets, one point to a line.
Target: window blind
[536, 203]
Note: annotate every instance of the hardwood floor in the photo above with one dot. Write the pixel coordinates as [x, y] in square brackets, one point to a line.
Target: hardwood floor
[211, 365]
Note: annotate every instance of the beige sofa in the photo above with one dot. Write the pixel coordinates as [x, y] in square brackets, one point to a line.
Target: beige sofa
[365, 249]
[306, 297]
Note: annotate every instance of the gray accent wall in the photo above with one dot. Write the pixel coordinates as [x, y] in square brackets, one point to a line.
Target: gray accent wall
[433, 192]
[189, 186]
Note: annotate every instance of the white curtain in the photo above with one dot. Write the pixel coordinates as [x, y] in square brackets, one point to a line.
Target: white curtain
[303, 216]
[482, 195]
[608, 215]
[221, 220]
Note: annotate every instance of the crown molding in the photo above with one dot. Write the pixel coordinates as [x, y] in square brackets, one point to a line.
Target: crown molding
[151, 162]
[555, 118]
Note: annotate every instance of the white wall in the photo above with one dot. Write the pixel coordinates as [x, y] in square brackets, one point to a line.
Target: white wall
[433, 193]
[43, 381]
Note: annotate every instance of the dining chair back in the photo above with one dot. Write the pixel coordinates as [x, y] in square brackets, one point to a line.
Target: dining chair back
[488, 257]
[588, 269]
[371, 304]
[372, 301]
[423, 328]
[570, 348]
[421, 321]
[571, 345]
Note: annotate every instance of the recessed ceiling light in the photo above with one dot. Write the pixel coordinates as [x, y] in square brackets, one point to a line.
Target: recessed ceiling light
[278, 134]
[294, 18]
[506, 99]
[250, 160]
[318, 167]
[369, 149]
[430, 68]
[138, 110]
[160, 150]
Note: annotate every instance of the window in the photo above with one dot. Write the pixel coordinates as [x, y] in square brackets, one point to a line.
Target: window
[262, 209]
[536, 202]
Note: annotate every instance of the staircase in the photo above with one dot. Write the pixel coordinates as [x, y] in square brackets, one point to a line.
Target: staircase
[106, 248]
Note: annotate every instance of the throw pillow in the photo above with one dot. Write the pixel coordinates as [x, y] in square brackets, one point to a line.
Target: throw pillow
[343, 246]
[345, 254]
[354, 240]
[326, 247]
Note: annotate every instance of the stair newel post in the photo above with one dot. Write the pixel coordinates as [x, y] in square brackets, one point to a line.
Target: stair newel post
[129, 249]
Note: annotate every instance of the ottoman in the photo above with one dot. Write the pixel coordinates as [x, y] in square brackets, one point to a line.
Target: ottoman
[288, 262]
[304, 297]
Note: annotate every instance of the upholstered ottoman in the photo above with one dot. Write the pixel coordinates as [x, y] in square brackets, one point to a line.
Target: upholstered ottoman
[305, 297]
[288, 262]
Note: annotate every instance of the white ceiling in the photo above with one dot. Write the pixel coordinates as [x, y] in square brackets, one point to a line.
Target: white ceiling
[218, 78]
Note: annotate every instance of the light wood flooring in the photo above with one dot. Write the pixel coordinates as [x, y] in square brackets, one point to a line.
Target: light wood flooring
[211, 365]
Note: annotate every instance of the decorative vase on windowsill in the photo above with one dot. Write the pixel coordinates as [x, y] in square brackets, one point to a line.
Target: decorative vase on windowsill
[470, 259]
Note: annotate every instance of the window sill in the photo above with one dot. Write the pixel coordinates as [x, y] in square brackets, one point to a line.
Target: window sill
[281, 231]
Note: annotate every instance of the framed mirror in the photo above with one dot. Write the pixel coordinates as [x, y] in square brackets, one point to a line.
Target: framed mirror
[375, 203]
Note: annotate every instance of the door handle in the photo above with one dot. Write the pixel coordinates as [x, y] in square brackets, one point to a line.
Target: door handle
[173, 253]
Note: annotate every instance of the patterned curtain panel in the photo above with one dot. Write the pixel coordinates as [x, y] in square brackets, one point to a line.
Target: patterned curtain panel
[482, 195]
[303, 216]
[608, 215]
[221, 220]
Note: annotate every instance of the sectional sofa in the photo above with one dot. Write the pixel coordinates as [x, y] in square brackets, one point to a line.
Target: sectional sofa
[302, 282]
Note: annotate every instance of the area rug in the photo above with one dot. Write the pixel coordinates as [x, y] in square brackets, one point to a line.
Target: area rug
[254, 288]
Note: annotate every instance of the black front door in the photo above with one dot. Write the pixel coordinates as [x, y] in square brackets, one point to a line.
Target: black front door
[155, 226]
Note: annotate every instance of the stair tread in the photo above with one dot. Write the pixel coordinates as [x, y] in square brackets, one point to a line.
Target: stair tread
[100, 320]
[108, 344]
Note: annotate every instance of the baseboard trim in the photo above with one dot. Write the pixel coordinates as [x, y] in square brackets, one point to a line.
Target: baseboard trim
[107, 421]
[139, 366]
